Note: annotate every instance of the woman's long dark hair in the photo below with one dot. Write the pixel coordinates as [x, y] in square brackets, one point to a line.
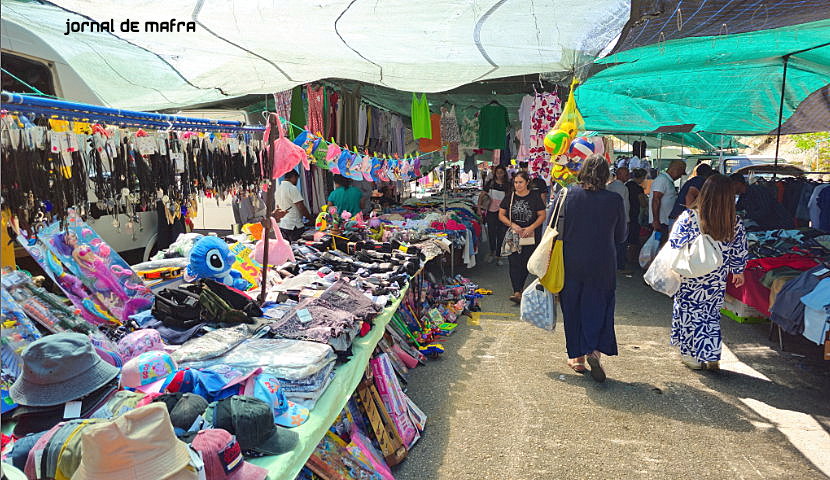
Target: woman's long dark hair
[715, 207]
[594, 174]
[507, 179]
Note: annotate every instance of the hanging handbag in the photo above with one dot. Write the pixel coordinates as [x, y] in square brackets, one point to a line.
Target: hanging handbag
[510, 245]
[554, 277]
[525, 241]
[699, 257]
[279, 250]
[540, 259]
[538, 306]
[285, 154]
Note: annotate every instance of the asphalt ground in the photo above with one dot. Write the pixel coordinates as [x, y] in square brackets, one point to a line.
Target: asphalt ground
[503, 404]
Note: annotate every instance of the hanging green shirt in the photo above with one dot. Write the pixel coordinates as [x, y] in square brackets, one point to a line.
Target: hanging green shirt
[492, 126]
[421, 128]
[346, 199]
[298, 109]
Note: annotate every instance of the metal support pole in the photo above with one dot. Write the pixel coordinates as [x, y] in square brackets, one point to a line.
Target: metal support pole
[266, 231]
[780, 113]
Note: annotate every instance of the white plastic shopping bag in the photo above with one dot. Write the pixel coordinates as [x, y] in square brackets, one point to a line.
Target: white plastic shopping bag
[650, 249]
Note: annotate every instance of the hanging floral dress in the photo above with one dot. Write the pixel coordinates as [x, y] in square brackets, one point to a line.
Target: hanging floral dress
[696, 313]
[544, 112]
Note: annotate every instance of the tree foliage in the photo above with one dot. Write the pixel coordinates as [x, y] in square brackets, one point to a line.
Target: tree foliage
[815, 142]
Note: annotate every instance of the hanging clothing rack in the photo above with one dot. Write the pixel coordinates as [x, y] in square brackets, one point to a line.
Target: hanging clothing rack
[20, 103]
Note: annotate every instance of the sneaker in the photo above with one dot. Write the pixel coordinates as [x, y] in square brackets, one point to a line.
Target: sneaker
[500, 262]
[490, 258]
[691, 362]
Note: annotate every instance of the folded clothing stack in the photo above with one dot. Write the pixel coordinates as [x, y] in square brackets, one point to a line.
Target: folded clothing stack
[317, 320]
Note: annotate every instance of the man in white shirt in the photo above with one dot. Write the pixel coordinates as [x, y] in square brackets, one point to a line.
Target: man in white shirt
[662, 197]
[289, 200]
[618, 187]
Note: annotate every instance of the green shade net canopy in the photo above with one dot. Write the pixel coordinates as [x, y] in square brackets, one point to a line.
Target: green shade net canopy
[726, 84]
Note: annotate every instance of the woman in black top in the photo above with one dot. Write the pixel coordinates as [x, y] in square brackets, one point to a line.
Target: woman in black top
[524, 212]
[635, 196]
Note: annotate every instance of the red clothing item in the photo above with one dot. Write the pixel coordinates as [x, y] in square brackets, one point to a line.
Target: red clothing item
[754, 293]
[426, 145]
[798, 262]
[450, 225]
[477, 229]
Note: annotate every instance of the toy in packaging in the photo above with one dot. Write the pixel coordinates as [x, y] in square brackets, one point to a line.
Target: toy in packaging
[393, 399]
[94, 277]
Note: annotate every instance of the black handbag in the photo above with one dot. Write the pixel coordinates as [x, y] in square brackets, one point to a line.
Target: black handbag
[177, 308]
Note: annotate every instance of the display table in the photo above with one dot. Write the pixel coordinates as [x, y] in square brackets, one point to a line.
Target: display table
[331, 403]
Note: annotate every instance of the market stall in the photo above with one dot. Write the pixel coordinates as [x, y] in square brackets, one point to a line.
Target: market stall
[786, 265]
[345, 311]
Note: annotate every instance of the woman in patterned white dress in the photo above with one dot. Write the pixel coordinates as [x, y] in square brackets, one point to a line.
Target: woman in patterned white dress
[696, 313]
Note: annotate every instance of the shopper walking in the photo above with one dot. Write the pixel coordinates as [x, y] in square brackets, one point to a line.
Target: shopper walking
[524, 212]
[495, 190]
[594, 224]
[637, 202]
[618, 186]
[696, 313]
[691, 189]
[663, 196]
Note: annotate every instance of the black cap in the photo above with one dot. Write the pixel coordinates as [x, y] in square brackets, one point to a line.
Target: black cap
[252, 421]
[184, 409]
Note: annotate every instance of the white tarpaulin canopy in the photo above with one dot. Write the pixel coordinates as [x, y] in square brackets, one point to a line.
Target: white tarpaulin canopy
[258, 46]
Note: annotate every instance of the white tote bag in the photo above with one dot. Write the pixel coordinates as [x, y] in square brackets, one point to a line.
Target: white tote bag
[699, 257]
[540, 258]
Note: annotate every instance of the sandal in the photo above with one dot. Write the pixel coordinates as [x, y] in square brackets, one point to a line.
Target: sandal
[577, 366]
[597, 372]
[516, 298]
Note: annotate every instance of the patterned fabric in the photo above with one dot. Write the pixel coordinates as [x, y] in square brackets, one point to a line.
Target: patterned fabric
[449, 126]
[283, 104]
[538, 306]
[544, 112]
[697, 304]
[315, 109]
[469, 134]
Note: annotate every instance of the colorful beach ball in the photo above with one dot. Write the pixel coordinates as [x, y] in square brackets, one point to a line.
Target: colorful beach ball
[556, 142]
[581, 148]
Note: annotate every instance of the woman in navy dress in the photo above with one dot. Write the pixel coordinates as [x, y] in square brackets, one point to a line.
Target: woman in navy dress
[594, 224]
